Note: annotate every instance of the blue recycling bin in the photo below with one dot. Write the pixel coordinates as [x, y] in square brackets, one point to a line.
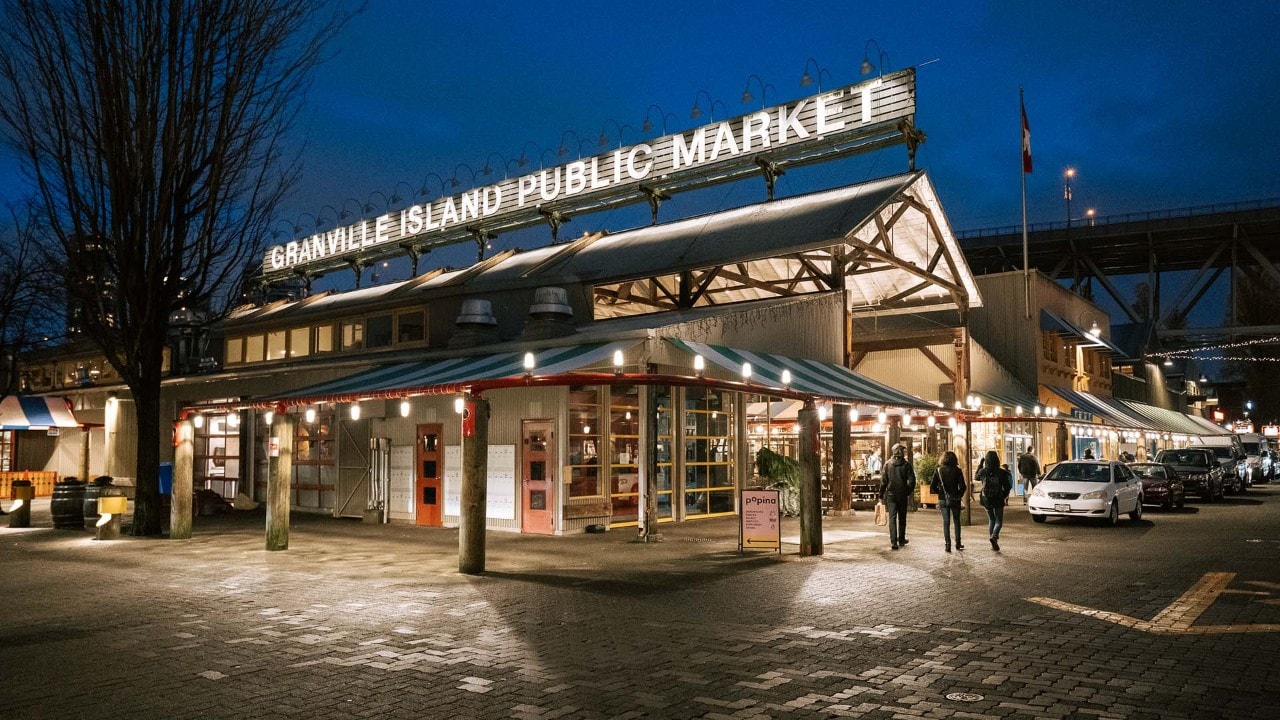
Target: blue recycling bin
[166, 478]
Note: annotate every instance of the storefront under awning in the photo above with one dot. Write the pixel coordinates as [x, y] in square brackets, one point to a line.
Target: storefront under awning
[820, 379]
[1174, 421]
[1107, 411]
[26, 412]
[453, 374]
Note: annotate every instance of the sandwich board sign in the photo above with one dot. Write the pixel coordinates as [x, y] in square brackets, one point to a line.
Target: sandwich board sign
[760, 523]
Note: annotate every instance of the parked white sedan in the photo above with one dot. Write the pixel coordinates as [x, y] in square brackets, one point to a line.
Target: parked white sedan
[1087, 488]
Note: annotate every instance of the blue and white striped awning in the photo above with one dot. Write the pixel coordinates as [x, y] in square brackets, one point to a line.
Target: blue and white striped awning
[26, 412]
[448, 374]
[820, 379]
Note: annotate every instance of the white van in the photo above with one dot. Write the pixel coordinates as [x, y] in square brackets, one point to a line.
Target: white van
[1257, 452]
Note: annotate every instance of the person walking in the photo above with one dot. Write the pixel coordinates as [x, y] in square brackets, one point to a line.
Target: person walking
[1028, 470]
[897, 482]
[997, 483]
[948, 484]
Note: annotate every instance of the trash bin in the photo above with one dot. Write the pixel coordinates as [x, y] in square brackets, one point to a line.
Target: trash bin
[91, 493]
[166, 478]
[67, 505]
[20, 511]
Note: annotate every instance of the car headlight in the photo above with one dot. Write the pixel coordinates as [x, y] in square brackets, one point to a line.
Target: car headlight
[1095, 495]
[1200, 478]
[1039, 491]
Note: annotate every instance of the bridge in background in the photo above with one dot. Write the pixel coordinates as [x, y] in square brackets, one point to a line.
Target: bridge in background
[1210, 242]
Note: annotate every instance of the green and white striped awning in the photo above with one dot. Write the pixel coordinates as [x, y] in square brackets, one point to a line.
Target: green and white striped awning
[820, 379]
[452, 374]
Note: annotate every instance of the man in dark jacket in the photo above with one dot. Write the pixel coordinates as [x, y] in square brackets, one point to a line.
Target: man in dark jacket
[897, 483]
[1028, 469]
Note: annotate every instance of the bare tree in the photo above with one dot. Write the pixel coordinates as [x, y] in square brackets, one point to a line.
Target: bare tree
[26, 303]
[155, 135]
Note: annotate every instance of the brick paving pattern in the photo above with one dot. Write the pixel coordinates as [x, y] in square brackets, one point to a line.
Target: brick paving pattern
[359, 620]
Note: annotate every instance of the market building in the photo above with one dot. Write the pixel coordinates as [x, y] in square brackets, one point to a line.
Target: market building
[626, 379]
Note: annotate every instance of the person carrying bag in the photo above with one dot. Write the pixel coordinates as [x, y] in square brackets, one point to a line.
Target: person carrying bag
[948, 484]
[897, 483]
[997, 483]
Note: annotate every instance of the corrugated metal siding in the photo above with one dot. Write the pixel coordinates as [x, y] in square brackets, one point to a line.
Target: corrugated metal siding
[1002, 327]
[908, 370]
[807, 328]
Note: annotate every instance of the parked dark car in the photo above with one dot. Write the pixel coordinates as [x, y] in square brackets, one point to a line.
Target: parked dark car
[1161, 485]
[1233, 475]
[1199, 469]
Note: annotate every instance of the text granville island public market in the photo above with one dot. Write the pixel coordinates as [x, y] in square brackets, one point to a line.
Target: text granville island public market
[781, 125]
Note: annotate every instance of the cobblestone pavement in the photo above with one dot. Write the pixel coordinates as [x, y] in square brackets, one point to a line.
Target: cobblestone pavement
[1173, 616]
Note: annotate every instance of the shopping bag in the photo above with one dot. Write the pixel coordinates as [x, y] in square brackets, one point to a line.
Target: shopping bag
[882, 515]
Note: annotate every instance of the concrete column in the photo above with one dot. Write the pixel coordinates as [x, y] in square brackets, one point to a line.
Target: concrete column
[475, 471]
[810, 482]
[183, 483]
[278, 484]
[841, 487]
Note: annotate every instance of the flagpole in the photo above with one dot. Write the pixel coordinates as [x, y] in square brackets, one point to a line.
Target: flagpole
[1022, 173]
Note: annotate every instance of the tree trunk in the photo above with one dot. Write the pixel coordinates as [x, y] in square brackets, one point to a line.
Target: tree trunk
[147, 513]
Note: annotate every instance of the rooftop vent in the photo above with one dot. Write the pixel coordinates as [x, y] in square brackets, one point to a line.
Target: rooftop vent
[476, 325]
[549, 315]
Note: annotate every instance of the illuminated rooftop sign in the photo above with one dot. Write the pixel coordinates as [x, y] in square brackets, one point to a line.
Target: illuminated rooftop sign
[848, 120]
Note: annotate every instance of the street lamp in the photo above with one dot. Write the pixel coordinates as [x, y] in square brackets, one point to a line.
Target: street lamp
[806, 79]
[1090, 214]
[882, 57]
[646, 126]
[1066, 191]
[764, 91]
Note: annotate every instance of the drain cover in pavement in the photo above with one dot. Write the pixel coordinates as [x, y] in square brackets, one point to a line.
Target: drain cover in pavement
[964, 697]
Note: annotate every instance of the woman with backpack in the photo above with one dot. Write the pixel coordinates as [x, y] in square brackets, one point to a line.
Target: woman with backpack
[997, 483]
[948, 485]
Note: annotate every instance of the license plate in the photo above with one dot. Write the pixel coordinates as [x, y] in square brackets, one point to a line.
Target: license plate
[1062, 508]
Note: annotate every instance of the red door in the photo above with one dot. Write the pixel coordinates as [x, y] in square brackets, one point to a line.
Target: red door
[429, 484]
[538, 478]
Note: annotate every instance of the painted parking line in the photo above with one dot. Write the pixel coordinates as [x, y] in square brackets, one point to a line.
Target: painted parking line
[1180, 616]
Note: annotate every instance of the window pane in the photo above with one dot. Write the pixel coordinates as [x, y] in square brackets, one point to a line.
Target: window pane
[235, 351]
[275, 345]
[324, 338]
[412, 327]
[253, 348]
[352, 336]
[378, 332]
[299, 342]
[584, 442]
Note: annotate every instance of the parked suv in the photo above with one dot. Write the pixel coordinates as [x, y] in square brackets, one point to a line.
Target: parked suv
[1199, 469]
[1233, 477]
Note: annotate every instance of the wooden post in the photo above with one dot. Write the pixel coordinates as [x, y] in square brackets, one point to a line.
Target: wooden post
[1062, 439]
[649, 463]
[84, 453]
[183, 482]
[278, 483]
[475, 471]
[841, 485]
[966, 515]
[810, 482]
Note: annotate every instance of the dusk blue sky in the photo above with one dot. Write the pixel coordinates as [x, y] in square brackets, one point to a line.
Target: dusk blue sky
[1157, 104]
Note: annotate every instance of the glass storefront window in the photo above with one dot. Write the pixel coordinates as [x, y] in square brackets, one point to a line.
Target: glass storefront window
[584, 442]
[216, 448]
[624, 467]
[235, 351]
[708, 452]
[662, 450]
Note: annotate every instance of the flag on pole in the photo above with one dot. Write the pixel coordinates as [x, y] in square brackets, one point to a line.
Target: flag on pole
[1026, 140]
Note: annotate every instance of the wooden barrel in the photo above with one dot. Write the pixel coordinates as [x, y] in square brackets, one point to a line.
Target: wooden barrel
[67, 505]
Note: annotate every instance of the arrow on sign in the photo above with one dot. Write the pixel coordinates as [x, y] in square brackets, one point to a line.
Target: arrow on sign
[1181, 614]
